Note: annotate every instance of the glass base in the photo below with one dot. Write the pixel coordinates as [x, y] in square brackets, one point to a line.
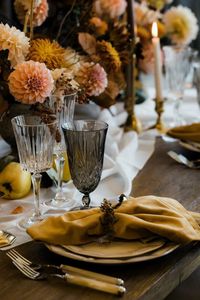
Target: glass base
[29, 221]
[168, 139]
[59, 202]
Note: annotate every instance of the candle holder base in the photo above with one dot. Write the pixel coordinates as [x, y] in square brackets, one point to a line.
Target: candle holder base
[159, 108]
[132, 124]
[159, 126]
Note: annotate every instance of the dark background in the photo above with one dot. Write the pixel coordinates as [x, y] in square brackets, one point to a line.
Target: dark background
[58, 7]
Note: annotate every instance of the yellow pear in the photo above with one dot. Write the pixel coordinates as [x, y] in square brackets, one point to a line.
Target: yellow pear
[66, 171]
[14, 181]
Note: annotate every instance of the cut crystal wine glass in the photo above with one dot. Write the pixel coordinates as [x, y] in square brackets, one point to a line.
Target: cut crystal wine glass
[35, 139]
[177, 67]
[85, 141]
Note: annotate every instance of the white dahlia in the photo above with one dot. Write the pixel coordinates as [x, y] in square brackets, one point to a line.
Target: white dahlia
[15, 42]
[181, 25]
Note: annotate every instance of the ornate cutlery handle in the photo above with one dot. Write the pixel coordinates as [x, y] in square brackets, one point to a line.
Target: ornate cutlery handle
[93, 275]
[94, 284]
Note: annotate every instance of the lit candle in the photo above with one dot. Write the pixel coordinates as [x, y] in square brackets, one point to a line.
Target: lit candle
[157, 62]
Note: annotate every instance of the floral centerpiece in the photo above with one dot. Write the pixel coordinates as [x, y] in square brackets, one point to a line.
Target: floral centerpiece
[37, 61]
[82, 46]
[176, 25]
[91, 63]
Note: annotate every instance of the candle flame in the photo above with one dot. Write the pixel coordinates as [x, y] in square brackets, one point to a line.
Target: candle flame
[154, 29]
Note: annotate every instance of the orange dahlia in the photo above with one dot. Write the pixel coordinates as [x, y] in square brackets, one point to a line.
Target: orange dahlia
[31, 82]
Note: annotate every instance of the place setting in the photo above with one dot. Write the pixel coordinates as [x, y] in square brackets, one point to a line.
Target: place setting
[99, 148]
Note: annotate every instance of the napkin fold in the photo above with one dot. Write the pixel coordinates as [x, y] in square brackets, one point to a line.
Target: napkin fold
[3, 240]
[136, 218]
[186, 133]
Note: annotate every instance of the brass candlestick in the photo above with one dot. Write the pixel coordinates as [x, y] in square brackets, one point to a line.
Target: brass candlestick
[131, 122]
[159, 108]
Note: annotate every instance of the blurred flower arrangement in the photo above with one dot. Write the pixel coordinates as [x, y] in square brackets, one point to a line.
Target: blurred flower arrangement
[35, 64]
[81, 46]
[176, 25]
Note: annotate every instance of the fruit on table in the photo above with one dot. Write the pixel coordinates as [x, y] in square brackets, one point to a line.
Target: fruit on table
[14, 181]
[66, 171]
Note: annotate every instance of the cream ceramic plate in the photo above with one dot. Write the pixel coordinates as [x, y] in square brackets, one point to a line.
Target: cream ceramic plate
[6, 239]
[115, 249]
[190, 146]
[164, 250]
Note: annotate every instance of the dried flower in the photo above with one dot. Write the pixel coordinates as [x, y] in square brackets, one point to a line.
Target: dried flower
[109, 56]
[181, 25]
[92, 78]
[15, 42]
[50, 53]
[72, 60]
[147, 63]
[145, 15]
[30, 82]
[98, 26]
[111, 9]
[64, 82]
[40, 12]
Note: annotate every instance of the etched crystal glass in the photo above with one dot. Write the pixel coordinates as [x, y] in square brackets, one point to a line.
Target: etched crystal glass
[177, 67]
[63, 106]
[35, 142]
[85, 141]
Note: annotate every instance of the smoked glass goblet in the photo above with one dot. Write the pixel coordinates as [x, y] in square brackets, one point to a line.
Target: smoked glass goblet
[35, 142]
[85, 141]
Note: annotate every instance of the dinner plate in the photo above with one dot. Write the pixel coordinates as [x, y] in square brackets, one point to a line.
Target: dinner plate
[115, 249]
[190, 145]
[164, 250]
[8, 236]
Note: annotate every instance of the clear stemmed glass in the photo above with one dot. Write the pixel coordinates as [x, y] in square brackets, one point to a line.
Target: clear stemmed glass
[85, 141]
[177, 67]
[63, 106]
[35, 141]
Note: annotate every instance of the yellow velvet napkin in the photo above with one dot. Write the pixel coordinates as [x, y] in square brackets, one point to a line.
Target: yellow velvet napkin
[136, 218]
[3, 240]
[186, 133]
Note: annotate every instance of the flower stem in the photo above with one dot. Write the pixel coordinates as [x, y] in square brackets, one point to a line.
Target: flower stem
[31, 18]
[27, 16]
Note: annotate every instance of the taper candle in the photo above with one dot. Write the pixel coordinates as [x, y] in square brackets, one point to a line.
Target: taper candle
[157, 62]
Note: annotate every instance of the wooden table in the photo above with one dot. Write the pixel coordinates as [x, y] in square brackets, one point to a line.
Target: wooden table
[149, 280]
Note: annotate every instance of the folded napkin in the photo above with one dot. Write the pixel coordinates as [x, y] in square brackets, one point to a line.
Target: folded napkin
[136, 218]
[3, 240]
[186, 133]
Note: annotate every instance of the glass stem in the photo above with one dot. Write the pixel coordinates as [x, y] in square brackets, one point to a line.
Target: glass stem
[86, 201]
[36, 181]
[60, 161]
[178, 120]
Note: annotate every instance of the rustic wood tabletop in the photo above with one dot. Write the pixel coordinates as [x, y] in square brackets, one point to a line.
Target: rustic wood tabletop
[148, 280]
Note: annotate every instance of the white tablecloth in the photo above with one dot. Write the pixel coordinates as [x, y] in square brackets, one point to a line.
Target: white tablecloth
[125, 155]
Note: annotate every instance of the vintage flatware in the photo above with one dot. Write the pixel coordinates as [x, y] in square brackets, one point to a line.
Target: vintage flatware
[15, 256]
[72, 278]
[193, 164]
